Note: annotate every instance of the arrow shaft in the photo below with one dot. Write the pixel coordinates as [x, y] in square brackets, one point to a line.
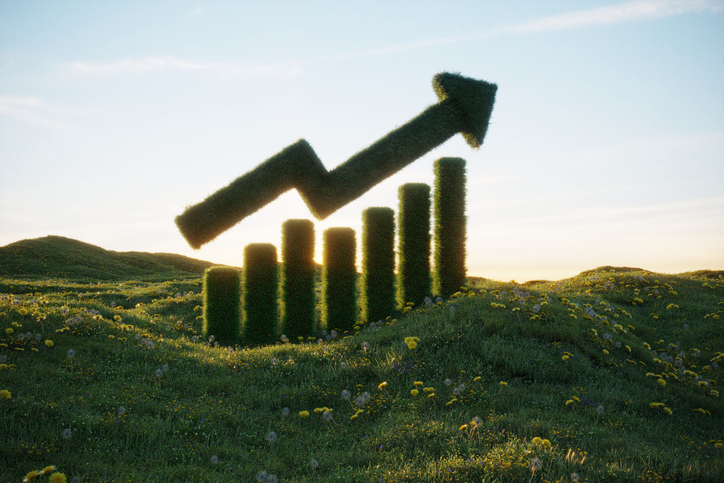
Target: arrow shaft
[385, 157]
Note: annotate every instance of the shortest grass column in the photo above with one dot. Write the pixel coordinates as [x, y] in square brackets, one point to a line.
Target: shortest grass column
[339, 279]
[260, 292]
[221, 305]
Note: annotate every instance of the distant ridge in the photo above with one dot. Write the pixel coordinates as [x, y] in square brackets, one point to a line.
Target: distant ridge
[66, 258]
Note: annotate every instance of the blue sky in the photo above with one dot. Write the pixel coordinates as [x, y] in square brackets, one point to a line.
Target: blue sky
[606, 145]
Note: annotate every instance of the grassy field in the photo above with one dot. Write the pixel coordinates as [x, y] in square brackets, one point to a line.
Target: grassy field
[608, 376]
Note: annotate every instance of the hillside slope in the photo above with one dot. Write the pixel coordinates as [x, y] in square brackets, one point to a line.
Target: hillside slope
[60, 257]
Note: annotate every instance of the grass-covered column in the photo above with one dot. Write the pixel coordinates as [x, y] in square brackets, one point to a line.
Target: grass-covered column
[450, 226]
[414, 243]
[339, 279]
[260, 292]
[221, 305]
[377, 296]
[297, 287]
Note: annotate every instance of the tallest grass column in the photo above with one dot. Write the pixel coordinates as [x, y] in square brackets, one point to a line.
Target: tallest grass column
[414, 243]
[450, 232]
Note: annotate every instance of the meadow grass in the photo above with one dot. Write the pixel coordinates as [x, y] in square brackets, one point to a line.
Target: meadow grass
[548, 382]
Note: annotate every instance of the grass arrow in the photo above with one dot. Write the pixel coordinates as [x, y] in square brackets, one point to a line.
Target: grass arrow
[464, 106]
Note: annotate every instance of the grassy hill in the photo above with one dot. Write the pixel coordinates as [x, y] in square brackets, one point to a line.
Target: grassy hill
[59, 257]
[613, 375]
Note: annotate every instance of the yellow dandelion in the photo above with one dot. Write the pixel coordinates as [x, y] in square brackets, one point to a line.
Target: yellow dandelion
[463, 427]
[9, 331]
[575, 398]
[49, 343]
[57, 478]
[412, 344]
[537, 440]
[565, 358]
[605, 351]
[49, 469]
[417, 383]
[668, 411]
[31, 476]
[715, 393]
[5, 394]
[546, 443]
[382, 385]
[303, 414]
[414, 392]
[718, 445]
[569, 402]
[503, 383]
[661, 382]
[477, 379]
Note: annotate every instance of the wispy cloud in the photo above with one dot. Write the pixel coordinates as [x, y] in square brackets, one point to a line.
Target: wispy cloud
[281, 70]
[611, 14]
[31, 110]
[638, 10]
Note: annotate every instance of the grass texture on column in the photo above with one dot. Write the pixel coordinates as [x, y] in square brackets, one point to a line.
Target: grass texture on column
[260, 292]
[450, 226]
[221, 305]
[377, 297]
[339, 279]
[298, 285]
[414, 243]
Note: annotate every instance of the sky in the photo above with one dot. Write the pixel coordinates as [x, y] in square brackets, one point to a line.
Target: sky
[605, 146]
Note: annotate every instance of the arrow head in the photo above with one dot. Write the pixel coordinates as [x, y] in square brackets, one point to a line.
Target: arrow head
[475, 98]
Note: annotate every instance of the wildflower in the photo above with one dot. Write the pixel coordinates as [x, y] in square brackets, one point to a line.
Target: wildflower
[569, 402]
[503, 383]
[303, 414]
[661, 382]
[447, 382]
[605, 352]
[285, 412]
[365, 346]
[5, 394]
[537, 440]
[313, 464]
[271, 437]
[718, 445]
[327, 415]
[575, 477]
[414, 392]
[346, 395]
[668, 411]
[476, 422]
[214, 460]
[380, 387]
[9, 331]
[31, 476]
[463, 427]
[546, 443]
[67, 433]
[57, 478]
[3, 366]
[417, 383]
[70, 354]
[714, 393]
[477, 379]
[565, 357]
[535, 464]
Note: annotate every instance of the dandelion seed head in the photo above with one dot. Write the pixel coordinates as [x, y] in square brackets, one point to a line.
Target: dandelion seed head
[67, 433]
[214, 459]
